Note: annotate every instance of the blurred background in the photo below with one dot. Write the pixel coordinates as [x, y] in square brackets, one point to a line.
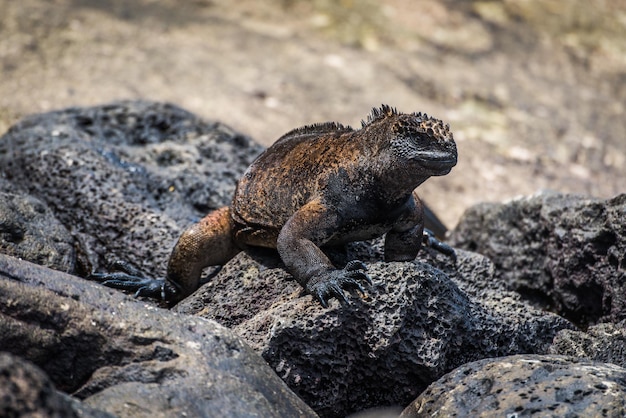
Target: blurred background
[535, 90]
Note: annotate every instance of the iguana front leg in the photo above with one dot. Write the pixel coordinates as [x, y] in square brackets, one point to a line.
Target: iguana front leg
[404, 240]
[299, 241]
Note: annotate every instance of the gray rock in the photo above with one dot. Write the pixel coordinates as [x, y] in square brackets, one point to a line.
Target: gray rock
[526, 385]
[603, 342]
[566, 253]
[29, 230]
[125, 178]
[129, 358]
[26, 391]
[415, 325]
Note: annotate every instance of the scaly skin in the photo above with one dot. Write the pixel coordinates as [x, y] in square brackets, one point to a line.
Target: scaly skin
[320, 185]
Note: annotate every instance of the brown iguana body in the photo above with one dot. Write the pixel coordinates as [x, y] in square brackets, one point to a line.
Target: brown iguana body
[320, 185]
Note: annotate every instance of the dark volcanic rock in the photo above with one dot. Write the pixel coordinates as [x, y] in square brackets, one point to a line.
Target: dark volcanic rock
[417, 325]
[526, 385]
[130, 358]
[126, 177]
[26, 391]
[566, 252]
[29, 230]
[603, 342]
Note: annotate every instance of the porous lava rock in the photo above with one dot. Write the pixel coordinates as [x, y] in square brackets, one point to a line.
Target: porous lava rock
[415, 324]
[26, 391]
[30, 230]
[125, 178]
[526, 385]
[602, 342]
[564, 252]
[129, 358]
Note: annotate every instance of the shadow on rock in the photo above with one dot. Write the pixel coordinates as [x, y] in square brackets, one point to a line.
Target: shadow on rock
[565, 253]
[25, 390]
[131, 359]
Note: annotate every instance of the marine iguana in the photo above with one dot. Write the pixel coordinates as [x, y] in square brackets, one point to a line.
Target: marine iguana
[316, 186]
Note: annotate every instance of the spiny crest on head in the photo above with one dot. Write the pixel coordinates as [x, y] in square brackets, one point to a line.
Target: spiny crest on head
[419, 122]
[379, 113]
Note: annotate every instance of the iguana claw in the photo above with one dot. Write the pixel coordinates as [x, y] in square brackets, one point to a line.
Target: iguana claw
[332, 284]
[128, 278]
[431, 241]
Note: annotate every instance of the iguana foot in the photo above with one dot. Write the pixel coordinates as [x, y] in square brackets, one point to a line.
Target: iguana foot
[431, 241]
[128, 278]
[332, 284]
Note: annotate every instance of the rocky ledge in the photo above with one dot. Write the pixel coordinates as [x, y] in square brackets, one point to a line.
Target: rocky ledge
[536, 285]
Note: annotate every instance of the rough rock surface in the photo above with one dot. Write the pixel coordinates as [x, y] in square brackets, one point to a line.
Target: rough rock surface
[603, 342]
[125, 178]
[29, 230]
[526, 385]
[415, 325]
[128, 358]
[565, 252]
[26, 391]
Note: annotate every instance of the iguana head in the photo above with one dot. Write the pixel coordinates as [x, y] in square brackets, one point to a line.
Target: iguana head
[418, 139]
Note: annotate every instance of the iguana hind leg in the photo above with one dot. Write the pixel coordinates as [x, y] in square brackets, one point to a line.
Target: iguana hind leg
[206, 243]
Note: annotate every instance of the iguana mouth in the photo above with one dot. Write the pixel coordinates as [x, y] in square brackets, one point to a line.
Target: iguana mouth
[436, 161]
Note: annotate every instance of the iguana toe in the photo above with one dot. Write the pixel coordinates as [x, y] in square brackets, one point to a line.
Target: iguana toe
[128, 279]
[334, 283]
[431, 241]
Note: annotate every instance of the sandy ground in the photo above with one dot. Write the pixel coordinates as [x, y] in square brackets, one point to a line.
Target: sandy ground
[535, 91]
